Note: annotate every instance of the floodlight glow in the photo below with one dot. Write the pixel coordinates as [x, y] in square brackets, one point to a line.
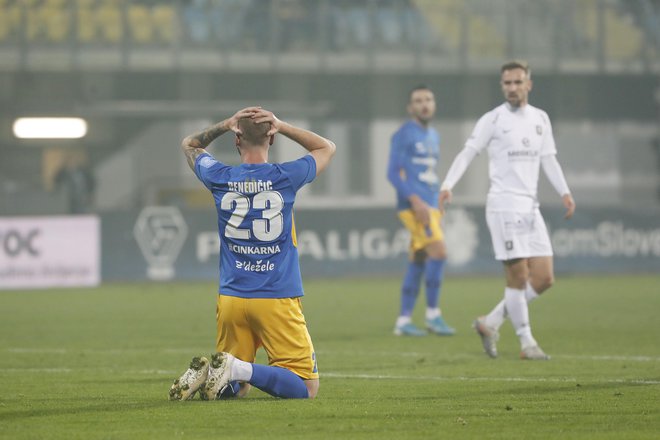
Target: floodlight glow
[50, 128]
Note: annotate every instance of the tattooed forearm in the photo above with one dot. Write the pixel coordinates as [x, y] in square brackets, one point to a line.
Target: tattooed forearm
[194, 145]
[191, 156]
[209, 135]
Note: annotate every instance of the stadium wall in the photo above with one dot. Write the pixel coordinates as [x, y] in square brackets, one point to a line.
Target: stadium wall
[163, 243]
[166, 243]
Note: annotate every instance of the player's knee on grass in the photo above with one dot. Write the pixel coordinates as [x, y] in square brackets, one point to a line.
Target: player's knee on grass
[312, 387]
[230, 391]
[245, 388]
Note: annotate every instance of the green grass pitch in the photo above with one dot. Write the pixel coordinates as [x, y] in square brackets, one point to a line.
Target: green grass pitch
[98, 363]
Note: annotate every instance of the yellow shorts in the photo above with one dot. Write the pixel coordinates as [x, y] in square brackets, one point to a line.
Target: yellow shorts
[420, 235]
[276, 324]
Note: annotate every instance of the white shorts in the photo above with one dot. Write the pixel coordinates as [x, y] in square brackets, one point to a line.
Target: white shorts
[518, 235]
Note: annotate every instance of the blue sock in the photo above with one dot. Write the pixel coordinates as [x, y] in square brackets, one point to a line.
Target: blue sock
[410, 287]
[278, 382]
[231, 390]
[433, 276]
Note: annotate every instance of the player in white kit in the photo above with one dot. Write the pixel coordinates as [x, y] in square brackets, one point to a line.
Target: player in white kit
[519, 141]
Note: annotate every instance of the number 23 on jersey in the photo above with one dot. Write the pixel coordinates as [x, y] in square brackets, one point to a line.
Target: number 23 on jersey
[266, 228]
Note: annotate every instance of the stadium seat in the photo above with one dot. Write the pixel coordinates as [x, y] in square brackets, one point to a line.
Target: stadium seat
[32, 25]
[109, 20]
[47, 21]
[140, 23]
[165, 22]
[56, 17]
[85, 25]
[623, 40]
[444, 18]
[10, 19]
[352, 26]
[485, 38]
[196, 19]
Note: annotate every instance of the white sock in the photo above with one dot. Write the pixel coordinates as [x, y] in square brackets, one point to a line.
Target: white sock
[530, 293]
[241, 370]
[403, 320]
[432, 313]
[516, 306]
[497, 316]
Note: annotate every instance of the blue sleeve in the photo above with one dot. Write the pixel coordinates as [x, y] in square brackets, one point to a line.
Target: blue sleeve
[206, 167]
[300, 172]
[396, 163]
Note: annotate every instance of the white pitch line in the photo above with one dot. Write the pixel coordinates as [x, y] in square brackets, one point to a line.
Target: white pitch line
[110, 351]
[404, 354]
[38, 350]
[610, 358]
[483, 379]
[77, 370]
[36, 370]
[635, 358]
[336, 375]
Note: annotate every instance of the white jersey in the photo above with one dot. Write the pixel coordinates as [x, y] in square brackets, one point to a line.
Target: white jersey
[516, 139]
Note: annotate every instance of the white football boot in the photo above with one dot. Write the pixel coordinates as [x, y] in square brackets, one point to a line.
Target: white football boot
[187, 385]
[534, 353]
[489, 336]
[219, 376]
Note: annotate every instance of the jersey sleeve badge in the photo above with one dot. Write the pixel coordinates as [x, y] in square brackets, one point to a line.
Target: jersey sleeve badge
[207, 162]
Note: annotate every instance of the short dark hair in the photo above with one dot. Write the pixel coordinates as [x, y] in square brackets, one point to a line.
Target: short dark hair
[416, 88]
[517, 64]
[253, 133]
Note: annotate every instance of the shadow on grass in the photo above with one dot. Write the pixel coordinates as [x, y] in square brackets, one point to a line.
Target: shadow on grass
[96, 406]
[166, 381]
[100, 405]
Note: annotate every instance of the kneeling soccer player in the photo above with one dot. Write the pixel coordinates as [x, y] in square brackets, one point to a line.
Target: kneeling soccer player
[259, 301]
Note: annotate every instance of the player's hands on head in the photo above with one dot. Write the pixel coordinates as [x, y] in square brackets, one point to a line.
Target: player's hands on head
[569, 204]
[444, 199]
[241, 114]
[263, 115]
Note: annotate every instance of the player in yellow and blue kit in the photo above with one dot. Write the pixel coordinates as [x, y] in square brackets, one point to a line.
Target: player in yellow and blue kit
[259, 300]
[414, 157]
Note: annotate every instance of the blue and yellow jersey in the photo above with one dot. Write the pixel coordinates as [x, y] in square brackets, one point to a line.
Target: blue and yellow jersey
[258, 254]
[412, 169]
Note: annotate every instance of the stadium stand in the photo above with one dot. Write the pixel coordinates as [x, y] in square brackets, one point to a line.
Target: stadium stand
[619, 31]
[10, 20]
[623, 40]
[448, 18]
